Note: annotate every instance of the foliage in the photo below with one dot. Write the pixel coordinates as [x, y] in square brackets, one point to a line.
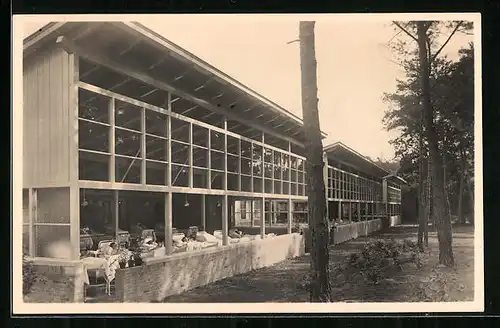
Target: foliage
[381, 255]
[452, 96]
[29, 275]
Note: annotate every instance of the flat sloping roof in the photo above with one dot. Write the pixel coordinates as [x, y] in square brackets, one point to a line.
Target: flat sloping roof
[344, 153]
[132, 45]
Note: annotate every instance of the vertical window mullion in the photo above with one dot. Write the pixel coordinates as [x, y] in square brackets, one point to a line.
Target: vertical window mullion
[190, 159]
[112, 141]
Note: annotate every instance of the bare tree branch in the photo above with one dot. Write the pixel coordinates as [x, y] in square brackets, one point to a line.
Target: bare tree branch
[296, 40]
[446, 42]
[395, 35]
[404, 30]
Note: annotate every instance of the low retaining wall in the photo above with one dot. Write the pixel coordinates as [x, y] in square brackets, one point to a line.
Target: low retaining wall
[64, 275]
[158, 278]
[342, 233]
[394, 220]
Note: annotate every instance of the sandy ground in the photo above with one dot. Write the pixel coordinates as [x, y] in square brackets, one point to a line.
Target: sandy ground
[282, 282]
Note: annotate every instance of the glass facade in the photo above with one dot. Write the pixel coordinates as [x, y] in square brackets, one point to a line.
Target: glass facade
[124, 140]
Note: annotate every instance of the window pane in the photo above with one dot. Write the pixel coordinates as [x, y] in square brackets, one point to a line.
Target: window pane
[232, 163]
[217, 180]
[232, 145]
[200, 135]
[128, 170]
[246, 183]
[257, 184]
[268, 155]
[301, 190]
[217, 160]
[246, 149]
[268, 186]
[156, 123]
[200, 157]
[93, 167]
[180, 153]
[53, 205]
[93, 106]
[93, 136]
[246, 166]
[53, 242]
[180, 176]
[180, 130]
[277, 172]
[156, 173]
[127, 143]
[156, 149]
[200, 178]
[217, 140]
[128, 115]
[232, 182]
[277, 187]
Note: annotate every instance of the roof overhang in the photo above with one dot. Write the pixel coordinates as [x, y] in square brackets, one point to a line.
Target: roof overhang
[343, 153]
[395, 178]
[142, 54]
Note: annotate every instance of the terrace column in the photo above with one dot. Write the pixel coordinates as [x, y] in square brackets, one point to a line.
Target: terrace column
[225, 237]
[251, 213]
[340, 210]
[203, 212]
[290, 217]
[116, 212]
[274, 212]
[350, 212]
[359, 211]
[168, 223]
[262, 217]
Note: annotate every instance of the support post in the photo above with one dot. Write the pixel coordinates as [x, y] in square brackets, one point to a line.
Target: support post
[190, 158]
[203, 212]
[290, 216]
[116, 212]
[359, 212]
[262, 217]
[112, 166]
[169, 148]
[239, 164]
[143, 146]
[339, 210]
[75, 222]
[350, 212]
[251, 214]
[168, 223]
[225, 237]
[31, 219]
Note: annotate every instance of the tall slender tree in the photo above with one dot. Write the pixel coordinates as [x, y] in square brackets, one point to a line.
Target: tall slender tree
[425, 34]
[316, 204]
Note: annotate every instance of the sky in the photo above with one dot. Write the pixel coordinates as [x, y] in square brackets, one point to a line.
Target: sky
[355, 67]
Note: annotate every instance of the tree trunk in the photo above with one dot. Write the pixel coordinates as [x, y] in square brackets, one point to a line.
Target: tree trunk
[428, 199]
[421, 196]
[445, 179]
[461, 217]
[443, 224]
[316, 204]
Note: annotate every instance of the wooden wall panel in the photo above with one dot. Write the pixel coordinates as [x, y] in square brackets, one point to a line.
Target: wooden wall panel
[47, 119]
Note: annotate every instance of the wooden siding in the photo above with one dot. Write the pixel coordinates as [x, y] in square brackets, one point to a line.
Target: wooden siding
[48, 119]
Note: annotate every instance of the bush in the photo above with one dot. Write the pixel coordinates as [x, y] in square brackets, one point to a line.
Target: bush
[29, 275]
[376, 257]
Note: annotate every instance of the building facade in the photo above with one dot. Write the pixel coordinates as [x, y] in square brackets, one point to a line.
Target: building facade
[123, 128]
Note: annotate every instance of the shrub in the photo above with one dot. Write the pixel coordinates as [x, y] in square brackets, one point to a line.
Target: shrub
[29, 275]
[378, 256]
